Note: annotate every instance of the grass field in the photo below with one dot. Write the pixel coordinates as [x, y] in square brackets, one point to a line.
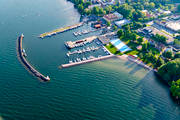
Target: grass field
[112, 49]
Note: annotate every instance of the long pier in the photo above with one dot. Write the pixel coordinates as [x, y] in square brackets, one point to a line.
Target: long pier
[60, 30]
[86, 61]
[26, 63]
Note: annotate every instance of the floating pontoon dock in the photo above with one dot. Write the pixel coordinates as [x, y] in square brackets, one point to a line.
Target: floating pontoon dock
[73, 44]
[86, 61]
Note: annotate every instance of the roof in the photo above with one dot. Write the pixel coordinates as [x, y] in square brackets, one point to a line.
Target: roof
[174, 25]
[113, 16]
[120, 45]
[97, 26]
[122, 22]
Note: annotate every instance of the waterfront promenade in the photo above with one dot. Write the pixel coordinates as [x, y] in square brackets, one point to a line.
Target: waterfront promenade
[26, 63]
[60, 30]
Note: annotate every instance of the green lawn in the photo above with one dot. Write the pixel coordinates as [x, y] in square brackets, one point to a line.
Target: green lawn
[113, 50]
[132, 52]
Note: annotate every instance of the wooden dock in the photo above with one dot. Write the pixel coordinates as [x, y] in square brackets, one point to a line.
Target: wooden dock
[26, 63]
[86, 61]
[60, 30]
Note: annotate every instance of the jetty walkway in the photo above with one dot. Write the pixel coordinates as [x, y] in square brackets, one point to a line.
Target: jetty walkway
[60, 30]
[26, 63]
[86, 61]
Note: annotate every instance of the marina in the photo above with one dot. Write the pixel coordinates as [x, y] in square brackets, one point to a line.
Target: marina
[88, 49]
[60, 30]
[94, 51]
[111, 89]
[22, 54]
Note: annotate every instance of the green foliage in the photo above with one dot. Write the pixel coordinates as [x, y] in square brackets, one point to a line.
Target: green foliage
[170, 71]
[108, 23]
[81, 8]
[108, 9]
[126, 10]
[138, 15]
[98, 11]
[168, 54]
[176, 42]
[120, 33]
[133, 36]
[159, 62]
[114, 27]
[177, 55]
[140, 40]
[159, 38]
[113, 50]
[175, 88]
[81, 5]
[136, 25]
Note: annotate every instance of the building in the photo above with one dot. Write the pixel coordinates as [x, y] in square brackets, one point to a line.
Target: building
[146, 13]
[120, 46]
[113, 17]
[122, 22]
[105, 39]
[97, 26]
[175, 26]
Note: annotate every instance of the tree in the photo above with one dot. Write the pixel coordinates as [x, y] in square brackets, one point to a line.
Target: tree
[175, 88]
[140, 40]
[133, 36]
[81, 8]
[151, 5]
[168, 54]
[101, 11]
[108, 23]
[170, 71]
[126, 10]
[137, 25]
[159, 62]
[108, 9]
[120, 33]
[177, 55]
[95, 10]
[86, 4]
[137, 15]
[144, 47]
[177, 42]
[87, 11]
[159, 38]
[115, 27]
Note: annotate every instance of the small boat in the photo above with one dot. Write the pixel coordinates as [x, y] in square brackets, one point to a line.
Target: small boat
[24, 53]
[47, 78]
[99, 56]
[75, 33]
[84, 58]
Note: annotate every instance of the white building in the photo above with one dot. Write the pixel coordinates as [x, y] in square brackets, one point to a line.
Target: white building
[122, 22]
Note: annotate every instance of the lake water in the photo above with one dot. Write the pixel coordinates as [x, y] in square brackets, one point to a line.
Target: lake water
[112, 89]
